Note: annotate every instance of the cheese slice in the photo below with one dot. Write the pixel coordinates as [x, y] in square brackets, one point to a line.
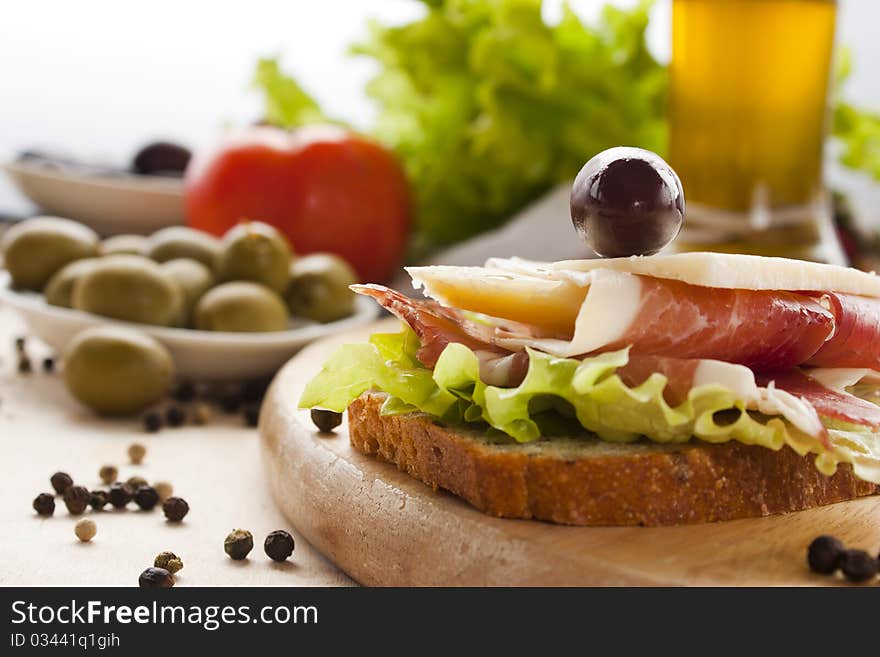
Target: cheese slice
[722, 270]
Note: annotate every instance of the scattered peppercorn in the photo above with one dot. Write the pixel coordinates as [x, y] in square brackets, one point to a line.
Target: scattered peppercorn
[20, 343]
[201, 413]
[152, 422]
[77, 498]
[824, 554]
[24, 365]
[230, 401]
[98, 499]
[48, 365]
[169, 561]
[119, 495]
[44, 504]
[135, 482]
[136, 453]
[325, 420]
[61, 481]
[238, 544]
[85, 530]
[278, 545]
[164, 489]
[185, 392]
[146, 497]
[155, 578]
[858, 565]
[251, 416]
[175, 416]
[108, 474]
[175, 509]
[254, 390]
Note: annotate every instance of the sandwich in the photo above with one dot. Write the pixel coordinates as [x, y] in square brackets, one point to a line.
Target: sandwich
[647, 390]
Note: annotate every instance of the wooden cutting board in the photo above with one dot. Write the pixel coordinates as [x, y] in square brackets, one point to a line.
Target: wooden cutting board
[384, 528]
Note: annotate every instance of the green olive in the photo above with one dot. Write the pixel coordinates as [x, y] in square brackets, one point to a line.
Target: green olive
[116, 370]
[318, 287]
[241, 306]
[182, 242]
[125, 244]
[194, 280]
[35, 249]
[59, 289]
[254, 251]
[130, 288]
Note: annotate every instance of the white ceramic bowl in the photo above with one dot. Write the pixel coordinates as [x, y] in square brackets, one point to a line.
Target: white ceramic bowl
[109, 204]
[198, 355]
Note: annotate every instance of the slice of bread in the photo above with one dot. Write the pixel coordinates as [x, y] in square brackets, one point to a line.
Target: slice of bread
[586, 481]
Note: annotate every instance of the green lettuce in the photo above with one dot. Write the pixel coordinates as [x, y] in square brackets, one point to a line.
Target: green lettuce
[562, 395]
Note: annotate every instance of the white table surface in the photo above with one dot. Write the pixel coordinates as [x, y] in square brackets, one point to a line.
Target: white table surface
[216, 468]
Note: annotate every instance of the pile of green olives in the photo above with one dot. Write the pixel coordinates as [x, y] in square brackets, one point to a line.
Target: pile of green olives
[250, 280]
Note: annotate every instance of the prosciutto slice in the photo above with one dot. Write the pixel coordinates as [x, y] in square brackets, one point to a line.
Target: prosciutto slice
[765, 330]
[856, 339]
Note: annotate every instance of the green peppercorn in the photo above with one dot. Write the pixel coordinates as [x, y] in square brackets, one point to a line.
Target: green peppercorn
[60, 481]
[175, 509]
[278, 545]
[119, 495]
[824, 554]
[146, 497]
[238, 544]
[44, 504]
[98, 499]
[108, 474]
[325, 420]
[858, 565]
[169, 561]
[136, 453]
[155, 578]
[77, 498]
[135, 482]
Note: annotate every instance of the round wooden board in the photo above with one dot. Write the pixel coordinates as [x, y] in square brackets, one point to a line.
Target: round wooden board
[384, 528]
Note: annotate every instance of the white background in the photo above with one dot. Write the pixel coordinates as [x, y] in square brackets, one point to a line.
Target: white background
[98, 78]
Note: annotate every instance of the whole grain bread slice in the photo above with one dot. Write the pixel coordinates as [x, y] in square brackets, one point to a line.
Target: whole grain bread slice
[586, 481]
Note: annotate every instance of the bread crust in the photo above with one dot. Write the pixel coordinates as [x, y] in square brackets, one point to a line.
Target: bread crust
[648, 485]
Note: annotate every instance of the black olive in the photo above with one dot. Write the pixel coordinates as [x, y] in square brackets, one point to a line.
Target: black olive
[161, 157]
[627, 201]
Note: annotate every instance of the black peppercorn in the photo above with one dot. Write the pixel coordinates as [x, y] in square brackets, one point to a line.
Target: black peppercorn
[175, 416]
[77, 498]
[44, 504]
[24, 365]
[251, 416]
[48, 364]
[238, 544]
[858, 565]
[230, 401]
[824, 554]
[155, 578]
[278, 545]
[119, 495]
[254, 390]
[98, 499]
[152, 422]
[146, 497]
[185, 392]
[60, 481]
[175, 509]
[325, 420]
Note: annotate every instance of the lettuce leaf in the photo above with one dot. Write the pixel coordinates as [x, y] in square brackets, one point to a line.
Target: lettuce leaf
[560, 393]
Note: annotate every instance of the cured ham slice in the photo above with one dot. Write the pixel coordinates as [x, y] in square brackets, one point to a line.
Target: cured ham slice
[834, 404]
[763, 329]
[856, 339]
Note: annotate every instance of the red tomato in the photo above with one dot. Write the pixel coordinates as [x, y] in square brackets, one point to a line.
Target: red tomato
[325, 188]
